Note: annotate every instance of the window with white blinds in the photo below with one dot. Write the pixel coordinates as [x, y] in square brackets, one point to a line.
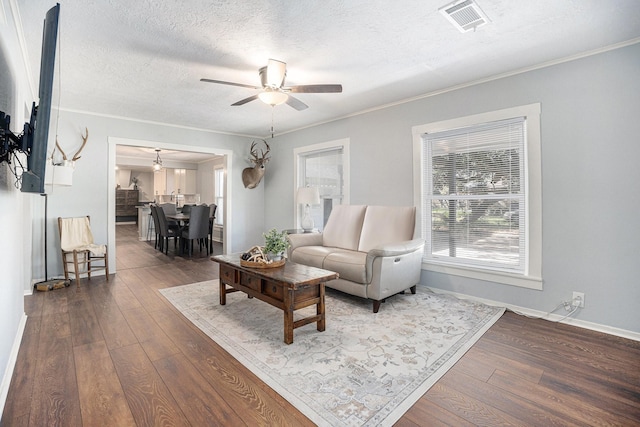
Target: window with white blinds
[475, 195]
[478, 189]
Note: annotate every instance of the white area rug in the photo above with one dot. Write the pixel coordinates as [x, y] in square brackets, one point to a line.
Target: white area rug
[366, 369]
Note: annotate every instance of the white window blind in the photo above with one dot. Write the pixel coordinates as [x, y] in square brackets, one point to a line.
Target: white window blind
[474, 202]
[219, 195]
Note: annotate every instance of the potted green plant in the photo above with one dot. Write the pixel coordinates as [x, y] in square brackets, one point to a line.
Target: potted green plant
[275, 243]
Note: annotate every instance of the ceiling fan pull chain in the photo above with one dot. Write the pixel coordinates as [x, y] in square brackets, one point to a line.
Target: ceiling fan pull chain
[272, 108]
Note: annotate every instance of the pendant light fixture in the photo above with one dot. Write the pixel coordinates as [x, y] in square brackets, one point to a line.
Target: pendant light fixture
[157, 163]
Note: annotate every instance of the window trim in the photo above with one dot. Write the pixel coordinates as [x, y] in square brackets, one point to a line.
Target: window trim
[217, 168]
[315, 148]
[532, 278]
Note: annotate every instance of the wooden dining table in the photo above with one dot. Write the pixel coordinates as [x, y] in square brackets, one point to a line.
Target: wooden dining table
[180, 217]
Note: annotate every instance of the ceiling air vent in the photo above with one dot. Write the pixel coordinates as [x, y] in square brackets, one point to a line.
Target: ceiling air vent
[464, 15]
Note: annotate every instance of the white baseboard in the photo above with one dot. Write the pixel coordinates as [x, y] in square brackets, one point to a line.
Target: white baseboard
[623, 333]
[11, 363]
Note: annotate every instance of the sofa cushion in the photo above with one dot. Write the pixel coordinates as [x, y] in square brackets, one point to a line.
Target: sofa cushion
[384, 225]
[310, 255]
[350, 265]
[344, 226]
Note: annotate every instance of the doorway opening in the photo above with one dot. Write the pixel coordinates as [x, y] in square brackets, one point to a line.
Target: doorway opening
[134, 161]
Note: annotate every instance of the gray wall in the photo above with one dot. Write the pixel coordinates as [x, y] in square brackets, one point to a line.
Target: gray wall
[590, 146]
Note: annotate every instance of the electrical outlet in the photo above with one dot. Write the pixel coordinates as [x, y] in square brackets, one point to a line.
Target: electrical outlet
[578, 299]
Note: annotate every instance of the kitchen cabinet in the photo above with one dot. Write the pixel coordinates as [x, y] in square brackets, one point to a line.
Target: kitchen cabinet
[126, 202]
[179, 181]
[160, 182]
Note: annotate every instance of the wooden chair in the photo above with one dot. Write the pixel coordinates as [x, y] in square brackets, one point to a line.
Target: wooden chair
[78, 248]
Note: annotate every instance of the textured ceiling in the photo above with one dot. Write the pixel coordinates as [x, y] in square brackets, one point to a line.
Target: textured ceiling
[143, 59]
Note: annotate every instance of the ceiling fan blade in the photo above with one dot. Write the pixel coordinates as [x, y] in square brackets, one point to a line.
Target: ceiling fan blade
[276, 71]
[296, 103]
[314, 89]
[244, 101]
[230, 83]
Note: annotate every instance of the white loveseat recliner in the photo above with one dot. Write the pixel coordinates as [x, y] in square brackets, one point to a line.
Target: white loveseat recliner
[371, 247]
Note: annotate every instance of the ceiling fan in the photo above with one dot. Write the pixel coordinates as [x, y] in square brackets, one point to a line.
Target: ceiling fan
[273, 91]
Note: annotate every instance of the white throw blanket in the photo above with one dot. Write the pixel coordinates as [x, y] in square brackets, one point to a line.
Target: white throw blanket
[75, 234]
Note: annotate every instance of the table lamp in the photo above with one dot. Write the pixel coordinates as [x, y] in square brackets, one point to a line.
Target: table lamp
[308, 196]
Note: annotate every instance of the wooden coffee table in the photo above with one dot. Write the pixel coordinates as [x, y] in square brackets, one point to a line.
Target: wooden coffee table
[289, 288]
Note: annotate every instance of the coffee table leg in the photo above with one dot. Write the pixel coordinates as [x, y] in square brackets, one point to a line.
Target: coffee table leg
[320, 310]
[288, 316]
[223, 293]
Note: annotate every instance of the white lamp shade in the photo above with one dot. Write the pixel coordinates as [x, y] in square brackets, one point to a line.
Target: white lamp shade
[308, 196]
[58, 175]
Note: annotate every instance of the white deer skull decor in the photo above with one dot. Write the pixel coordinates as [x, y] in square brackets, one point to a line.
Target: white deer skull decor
[251, 177]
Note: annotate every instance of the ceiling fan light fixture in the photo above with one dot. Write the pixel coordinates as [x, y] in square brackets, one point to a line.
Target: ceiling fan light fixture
[274, 92]
[273, 97]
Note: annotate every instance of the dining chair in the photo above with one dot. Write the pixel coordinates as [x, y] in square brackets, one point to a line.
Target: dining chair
[78, 248]
[186, 209]
[156, 223]
[198, 228]
[167, 231]
[170, 209]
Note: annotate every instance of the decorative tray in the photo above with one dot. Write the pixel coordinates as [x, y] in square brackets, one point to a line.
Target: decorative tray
[252, 264]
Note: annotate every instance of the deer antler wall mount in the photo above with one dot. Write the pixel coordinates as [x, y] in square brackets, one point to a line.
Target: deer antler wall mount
[252, 176]
[76, 156]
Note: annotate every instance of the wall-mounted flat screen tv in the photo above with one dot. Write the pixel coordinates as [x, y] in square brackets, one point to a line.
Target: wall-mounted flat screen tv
[36, 135]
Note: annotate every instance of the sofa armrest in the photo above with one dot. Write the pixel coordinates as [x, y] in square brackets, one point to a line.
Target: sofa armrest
[393, 268]
[306, 239]
[397, 249]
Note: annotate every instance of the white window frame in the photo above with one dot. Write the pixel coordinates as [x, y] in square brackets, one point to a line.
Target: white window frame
[315, 148]
[219, 169]
[532, 276]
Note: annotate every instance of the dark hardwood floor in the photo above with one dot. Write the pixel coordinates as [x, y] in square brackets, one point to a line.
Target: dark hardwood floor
[116, 353]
